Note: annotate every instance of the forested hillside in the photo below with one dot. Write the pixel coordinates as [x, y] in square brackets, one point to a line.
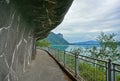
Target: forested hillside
[56, 39]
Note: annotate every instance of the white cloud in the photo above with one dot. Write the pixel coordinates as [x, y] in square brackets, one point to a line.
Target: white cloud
[90, 17]
[100, 30]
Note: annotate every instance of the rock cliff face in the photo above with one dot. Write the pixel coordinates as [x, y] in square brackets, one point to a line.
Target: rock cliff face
[21, 23]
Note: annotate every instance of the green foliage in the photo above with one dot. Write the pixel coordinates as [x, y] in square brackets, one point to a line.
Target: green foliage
[108, 47]
[76, 51]
[42, 43]
[88, 71]
[94, 52]
[91, 73]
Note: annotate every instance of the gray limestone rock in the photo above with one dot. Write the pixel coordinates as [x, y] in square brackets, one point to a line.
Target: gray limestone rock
[21, 23]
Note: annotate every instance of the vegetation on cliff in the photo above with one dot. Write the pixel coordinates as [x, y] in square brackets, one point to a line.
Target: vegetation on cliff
[42, 43]
[56, 39]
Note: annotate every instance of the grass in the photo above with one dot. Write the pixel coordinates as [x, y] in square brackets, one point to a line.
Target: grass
[90, 73]
[87, 71]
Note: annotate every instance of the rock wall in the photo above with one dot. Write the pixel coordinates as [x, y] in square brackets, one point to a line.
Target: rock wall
[21, 23]
[16, 41]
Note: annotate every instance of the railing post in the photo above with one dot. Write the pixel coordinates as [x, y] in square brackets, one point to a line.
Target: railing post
[76, 64]
[114, 74]
[58, 55]
[48, 49]
[64, 58]
[109, 71]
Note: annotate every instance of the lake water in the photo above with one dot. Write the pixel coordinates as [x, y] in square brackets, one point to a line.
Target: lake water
[69, 47]
[83, 47]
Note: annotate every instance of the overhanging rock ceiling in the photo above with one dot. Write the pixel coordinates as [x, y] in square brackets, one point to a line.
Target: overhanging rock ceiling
[43, 15]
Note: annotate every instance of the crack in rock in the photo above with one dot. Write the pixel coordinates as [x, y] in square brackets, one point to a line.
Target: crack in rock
[50, 22]
[52, 2]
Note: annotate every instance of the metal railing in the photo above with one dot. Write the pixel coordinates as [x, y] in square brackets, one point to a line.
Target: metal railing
[87, 68]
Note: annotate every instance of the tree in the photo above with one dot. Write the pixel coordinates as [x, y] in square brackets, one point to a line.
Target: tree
[42, 43]
[108, 47]
[76, 51]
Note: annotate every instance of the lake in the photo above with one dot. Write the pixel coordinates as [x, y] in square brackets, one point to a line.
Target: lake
[69, 47]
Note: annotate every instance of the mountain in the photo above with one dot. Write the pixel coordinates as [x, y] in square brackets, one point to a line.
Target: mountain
[91, 42]
[56, 39]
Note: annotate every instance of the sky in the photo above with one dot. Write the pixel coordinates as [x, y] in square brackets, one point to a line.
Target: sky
[86, 19]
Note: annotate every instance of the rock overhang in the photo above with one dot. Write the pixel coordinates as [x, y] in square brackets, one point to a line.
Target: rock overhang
[42, 15]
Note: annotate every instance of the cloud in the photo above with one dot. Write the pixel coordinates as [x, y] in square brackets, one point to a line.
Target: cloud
[90, 17]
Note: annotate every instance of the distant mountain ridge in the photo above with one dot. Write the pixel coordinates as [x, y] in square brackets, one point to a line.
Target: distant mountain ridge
[56, 39]
[91, 42]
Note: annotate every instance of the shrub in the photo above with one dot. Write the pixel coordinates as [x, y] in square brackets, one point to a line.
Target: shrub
[42, 43]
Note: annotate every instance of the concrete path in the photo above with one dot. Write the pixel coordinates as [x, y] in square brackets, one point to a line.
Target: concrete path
[44, 68]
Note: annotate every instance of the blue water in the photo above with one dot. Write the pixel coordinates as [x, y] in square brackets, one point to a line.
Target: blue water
[69, 47]
[83, 47]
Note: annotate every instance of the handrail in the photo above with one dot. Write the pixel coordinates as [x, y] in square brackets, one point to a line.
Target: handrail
[71, 60]
[88, 57]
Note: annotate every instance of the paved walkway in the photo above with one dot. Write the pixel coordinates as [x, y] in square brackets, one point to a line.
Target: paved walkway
[44, 68]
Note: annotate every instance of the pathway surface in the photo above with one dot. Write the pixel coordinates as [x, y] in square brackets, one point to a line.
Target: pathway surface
[44, 68]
